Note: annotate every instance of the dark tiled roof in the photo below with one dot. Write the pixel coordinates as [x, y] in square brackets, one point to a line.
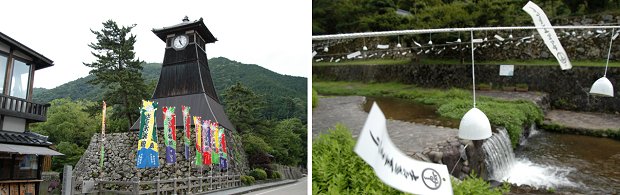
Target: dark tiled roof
[25, 138]
[197, 25]
[40, 60]
[200, 105]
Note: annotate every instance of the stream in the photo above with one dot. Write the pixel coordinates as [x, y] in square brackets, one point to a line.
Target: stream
[564, 162]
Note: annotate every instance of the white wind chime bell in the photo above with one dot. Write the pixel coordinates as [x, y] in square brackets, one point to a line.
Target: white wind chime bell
[474, 125]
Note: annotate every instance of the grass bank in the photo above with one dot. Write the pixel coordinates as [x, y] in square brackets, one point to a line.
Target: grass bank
[533, 62]
[452, 103]
[336, 169]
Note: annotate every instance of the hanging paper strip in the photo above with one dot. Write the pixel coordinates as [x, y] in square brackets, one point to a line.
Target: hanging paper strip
[170, 134]
[148, 154]
[198, 140]
[224, 156]
[216, 144]
[102, 152]
[186, 124]
[206, 143]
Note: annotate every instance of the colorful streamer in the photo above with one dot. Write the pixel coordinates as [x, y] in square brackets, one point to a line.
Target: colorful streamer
[170, 134]
[224, 155]
[186, 124]
[198, 140]
[206, 143]
[216, 144]
[148, 152]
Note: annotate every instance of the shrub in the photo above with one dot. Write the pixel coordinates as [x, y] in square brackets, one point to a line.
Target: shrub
[476, 185]
[259, 174]
[275, 175]
[247, 180]
[336, 169]
[315, 98]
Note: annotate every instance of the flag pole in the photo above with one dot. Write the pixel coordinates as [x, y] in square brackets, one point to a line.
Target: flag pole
[102, 151]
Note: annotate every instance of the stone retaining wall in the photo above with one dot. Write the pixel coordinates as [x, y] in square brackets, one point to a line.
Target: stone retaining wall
[567, 89]
[120, 163]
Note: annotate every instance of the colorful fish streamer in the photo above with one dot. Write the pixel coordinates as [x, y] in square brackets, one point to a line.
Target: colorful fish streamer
[198, 140]
[148, 152]
[186, 124]
[216, 144]
[224, 155]
[206, 143]
[170, 134]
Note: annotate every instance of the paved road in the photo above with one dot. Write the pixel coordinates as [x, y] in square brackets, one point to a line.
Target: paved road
[299, 187]
[584, 120]
[409, 137]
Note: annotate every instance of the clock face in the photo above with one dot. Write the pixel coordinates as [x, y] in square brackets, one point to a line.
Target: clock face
[179, 42]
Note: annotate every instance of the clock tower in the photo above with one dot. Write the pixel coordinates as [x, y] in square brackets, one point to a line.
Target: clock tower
[185, 78]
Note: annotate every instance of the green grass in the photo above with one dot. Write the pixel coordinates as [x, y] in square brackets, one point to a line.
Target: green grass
[336, 169]
[452, 103]
[365, 62]
[535, 62]
[315, 98]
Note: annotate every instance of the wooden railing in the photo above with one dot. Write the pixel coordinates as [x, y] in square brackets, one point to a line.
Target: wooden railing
[193, 185]
[22, 108]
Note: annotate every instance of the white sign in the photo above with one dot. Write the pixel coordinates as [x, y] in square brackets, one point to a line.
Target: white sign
[354, 54]
[383, 46]
[548, 35]
[395, 168]
[506, 70]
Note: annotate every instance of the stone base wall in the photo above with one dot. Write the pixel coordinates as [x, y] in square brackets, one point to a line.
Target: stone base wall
[568, 90]
[120, 159]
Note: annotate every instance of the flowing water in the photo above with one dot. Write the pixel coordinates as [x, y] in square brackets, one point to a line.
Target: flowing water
[567, 163]
[403, 110]
[500, 157]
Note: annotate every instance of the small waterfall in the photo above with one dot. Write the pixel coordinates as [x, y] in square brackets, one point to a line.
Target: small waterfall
[503, 166]
[499, 155]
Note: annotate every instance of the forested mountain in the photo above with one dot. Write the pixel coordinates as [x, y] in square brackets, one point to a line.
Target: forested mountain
[285, 95]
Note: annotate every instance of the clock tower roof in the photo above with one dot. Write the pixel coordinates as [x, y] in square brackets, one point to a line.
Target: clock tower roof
[197, 25]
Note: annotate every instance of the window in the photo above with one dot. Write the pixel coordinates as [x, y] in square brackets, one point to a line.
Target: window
[3, 62]
[27, 167]
[15, 166]
[20, 79]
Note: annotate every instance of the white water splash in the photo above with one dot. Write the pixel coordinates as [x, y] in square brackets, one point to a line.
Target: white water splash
[526, 172]
[503, 166]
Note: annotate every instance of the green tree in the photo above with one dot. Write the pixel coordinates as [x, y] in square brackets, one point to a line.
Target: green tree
[72, 154]
[289, 147]
[67, 121]
[118, 69]
[70, 127]
[243, 107]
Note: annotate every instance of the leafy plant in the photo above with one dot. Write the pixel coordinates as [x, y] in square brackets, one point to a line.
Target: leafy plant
[275, 175]
[336, 169]
[259, 174]
[452, 103]
[475, 185]
[247, 180]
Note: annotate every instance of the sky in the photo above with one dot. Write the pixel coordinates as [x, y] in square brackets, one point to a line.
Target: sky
[274, 34]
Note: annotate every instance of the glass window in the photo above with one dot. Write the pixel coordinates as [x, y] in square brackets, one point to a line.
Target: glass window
[3, 62]
[19, 79]
[27, 167]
